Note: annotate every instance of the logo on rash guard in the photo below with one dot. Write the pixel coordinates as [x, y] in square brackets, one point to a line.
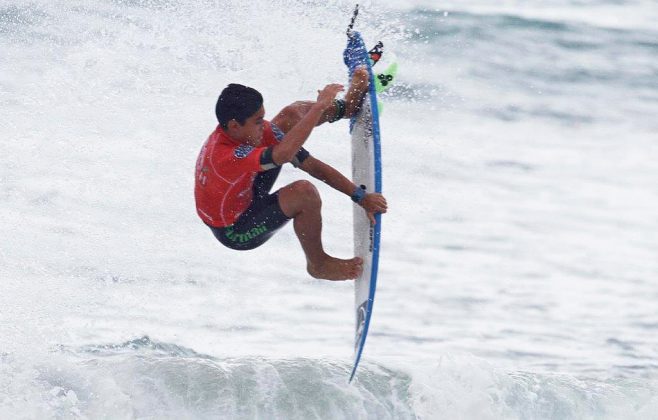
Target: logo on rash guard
[243, 151]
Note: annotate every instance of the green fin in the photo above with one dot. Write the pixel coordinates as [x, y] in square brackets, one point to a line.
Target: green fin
[380, 107]
[385, 79]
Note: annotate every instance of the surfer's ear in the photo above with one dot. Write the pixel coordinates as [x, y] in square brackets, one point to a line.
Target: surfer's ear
[233, 125]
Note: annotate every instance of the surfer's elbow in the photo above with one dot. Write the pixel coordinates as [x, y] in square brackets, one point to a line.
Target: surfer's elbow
[281, 155]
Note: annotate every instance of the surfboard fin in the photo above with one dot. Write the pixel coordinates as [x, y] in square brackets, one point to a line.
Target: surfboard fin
[385, 79]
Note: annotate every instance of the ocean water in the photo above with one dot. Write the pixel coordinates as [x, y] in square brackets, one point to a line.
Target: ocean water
[519, 261]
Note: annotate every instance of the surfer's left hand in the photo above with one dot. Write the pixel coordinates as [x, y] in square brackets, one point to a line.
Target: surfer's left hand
[374, 203]
[327, 95]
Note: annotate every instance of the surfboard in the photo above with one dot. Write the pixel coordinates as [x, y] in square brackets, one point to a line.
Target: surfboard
[366, 173]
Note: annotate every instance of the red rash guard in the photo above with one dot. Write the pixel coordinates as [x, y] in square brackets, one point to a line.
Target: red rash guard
[225, 173]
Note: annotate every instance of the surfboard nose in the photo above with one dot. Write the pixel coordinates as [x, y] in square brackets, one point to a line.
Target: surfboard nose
[355, 53]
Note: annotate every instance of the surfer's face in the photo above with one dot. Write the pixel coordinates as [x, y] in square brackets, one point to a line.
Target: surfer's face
[252, 130]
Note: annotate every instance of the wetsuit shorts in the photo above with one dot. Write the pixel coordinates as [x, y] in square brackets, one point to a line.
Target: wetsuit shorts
[255, 226]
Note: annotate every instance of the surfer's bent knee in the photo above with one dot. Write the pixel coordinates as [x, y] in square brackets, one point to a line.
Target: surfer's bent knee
[307, 190]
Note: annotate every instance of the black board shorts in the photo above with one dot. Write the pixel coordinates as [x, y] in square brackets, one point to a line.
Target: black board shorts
[260, 221]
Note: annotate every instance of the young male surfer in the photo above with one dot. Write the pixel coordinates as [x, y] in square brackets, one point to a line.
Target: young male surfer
[242, 158]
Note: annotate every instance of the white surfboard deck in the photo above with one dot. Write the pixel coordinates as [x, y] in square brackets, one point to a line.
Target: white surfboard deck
[366, 171]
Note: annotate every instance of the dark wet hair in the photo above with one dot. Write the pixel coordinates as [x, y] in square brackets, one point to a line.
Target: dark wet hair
[237, 102]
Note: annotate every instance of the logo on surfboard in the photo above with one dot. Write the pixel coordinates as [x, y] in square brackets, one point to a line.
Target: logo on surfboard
[360, 324]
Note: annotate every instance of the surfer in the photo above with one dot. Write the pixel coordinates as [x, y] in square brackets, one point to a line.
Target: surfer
[242, 158]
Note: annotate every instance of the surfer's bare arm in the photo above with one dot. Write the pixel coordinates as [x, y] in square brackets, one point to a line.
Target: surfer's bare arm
[285, 151]
[372, 202]
[327, 174]
[290, 115]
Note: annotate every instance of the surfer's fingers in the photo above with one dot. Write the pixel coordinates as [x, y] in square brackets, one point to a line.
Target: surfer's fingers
[380, 197]
[374, 203]
[334, 86]
[380, 203]
[333, 89]
[326, 95]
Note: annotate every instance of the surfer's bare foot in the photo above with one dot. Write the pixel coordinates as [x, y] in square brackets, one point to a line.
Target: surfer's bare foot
[336, 269]
[358, 88]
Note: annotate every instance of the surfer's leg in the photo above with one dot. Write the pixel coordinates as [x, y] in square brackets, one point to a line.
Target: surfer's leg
[289, 116]
[356, 92]
[301, 201]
